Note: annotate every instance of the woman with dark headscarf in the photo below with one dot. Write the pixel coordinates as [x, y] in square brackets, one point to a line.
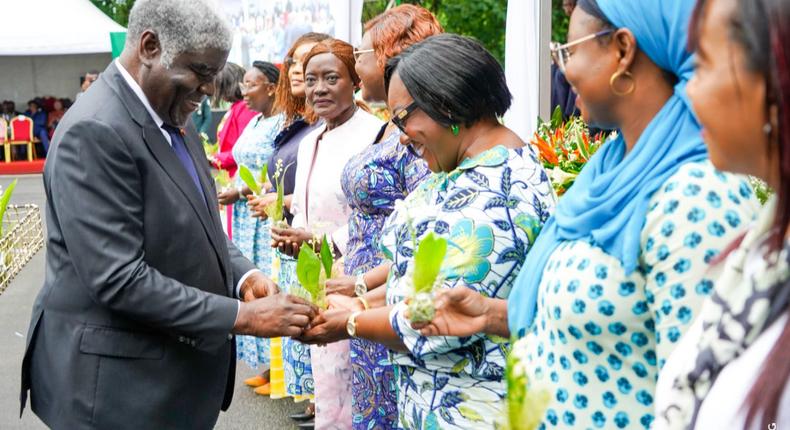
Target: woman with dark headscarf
[732, 369]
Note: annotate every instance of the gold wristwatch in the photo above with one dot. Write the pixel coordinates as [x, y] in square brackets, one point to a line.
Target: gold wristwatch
[360, 287]
[351, 325]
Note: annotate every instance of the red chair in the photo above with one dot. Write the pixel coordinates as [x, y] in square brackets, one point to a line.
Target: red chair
[21, 134]
[4, 136]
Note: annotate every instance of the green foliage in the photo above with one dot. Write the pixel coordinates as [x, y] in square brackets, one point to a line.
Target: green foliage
[118, 10]
[248, 179]
[327, 260]
[559, 22]
[482, 19]
[428, 261]
[308, 271]
[4, 200]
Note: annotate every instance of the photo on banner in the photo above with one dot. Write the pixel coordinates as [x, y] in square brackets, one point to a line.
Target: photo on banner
[263, 30]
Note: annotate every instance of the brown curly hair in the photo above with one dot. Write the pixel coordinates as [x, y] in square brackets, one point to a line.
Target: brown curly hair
[398, 28]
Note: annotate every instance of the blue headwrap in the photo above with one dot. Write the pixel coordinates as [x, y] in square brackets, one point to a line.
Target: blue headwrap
[608, 203]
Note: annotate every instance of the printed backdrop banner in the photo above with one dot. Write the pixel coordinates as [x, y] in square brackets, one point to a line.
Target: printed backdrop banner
[265, 29]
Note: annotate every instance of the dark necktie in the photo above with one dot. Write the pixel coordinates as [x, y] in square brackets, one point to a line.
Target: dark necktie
[180, 149]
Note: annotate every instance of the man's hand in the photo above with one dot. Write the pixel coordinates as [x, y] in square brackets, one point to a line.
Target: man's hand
[344, 285]
[274, 316]
[329, 326]
[257, 286]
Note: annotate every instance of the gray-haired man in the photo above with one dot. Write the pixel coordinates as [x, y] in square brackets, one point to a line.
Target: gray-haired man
[132, 328]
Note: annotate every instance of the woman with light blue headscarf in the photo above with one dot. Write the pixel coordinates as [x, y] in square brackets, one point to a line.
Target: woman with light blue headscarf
[621, 268]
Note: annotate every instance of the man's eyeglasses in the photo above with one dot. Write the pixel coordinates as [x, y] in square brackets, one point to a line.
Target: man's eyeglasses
[399, 119]
[561, 54]
[358, 53]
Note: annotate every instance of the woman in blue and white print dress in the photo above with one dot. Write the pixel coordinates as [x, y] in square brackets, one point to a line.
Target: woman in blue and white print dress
[253, 149]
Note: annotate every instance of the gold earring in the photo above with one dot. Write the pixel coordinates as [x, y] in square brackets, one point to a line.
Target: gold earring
[618, 75]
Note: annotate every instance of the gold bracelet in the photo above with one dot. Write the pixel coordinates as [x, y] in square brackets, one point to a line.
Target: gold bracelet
[364, 302]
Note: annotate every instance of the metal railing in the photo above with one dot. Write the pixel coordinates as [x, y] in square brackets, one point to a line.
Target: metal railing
[23, 236]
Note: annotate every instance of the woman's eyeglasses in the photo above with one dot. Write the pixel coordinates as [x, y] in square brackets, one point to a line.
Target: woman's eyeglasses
[399, 119]
[358, 53]
[561, 53]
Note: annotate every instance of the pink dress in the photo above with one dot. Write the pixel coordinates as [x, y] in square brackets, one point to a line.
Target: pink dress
[320, 205]
[233, 124]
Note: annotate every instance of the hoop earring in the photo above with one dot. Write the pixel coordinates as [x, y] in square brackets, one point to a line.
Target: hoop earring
[614, 79]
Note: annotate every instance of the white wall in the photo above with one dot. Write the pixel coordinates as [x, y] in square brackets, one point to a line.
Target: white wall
[23, 78]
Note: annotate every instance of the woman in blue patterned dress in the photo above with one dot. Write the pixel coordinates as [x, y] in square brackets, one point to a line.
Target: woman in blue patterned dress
[489, 196]
[372, 181]
[621, 269]
[251, 235]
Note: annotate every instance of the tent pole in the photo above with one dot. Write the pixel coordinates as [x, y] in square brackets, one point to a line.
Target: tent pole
[544, 60]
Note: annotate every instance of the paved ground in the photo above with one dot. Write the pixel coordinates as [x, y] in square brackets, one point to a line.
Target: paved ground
[248, 411]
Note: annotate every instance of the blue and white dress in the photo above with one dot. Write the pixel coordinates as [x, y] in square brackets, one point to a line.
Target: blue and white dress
[600, 336]
[373, 181]
[490, 209]
[251, 235]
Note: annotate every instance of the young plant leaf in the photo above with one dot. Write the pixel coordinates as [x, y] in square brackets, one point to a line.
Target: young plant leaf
[248, 178]
[308, 271]
[264, 173]
[4, 200]
[326, 258]
[428, 261]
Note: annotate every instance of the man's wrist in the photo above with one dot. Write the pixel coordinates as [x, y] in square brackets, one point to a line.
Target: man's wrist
[240, 326]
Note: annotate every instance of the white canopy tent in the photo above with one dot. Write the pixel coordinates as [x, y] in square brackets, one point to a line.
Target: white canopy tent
[48, 44]
[528, 64]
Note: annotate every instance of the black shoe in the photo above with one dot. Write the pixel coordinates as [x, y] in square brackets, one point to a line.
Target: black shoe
[303, 416]
[307, 425]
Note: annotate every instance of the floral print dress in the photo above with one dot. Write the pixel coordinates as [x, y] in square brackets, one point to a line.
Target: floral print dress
[490, 209]
[251, 235]
[600, 336]
[372, 181]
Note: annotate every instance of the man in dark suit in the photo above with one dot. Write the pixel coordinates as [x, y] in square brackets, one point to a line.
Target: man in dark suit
[133, 327]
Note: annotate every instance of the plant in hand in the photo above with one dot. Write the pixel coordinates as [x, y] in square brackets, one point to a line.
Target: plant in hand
[526, 402]
[255, 185]
[425, 277]
[313, 270]
[276, 210]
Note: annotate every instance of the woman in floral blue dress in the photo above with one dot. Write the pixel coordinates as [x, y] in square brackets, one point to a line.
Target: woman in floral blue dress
[251, 235]
[489, 196]
[372, 181]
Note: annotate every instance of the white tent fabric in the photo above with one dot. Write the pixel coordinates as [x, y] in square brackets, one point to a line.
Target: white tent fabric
[522, 65]
[54, 27]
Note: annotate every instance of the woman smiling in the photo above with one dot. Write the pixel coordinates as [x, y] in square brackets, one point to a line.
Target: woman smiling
[319, 205]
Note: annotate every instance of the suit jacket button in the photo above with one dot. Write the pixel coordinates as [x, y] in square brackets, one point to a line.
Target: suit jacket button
[230, 337]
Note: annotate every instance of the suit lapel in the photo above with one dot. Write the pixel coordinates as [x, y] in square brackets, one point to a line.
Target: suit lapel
[164, 155]
[167, 158]
[207, 183]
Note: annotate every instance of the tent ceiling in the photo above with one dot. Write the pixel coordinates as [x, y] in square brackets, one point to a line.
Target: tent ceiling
[54, 27]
